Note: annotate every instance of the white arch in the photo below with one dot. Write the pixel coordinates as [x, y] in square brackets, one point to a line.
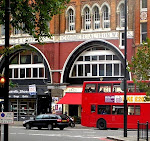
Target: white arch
[41, 55]
[86, 5]
[121, 2]
[70, 7]
[97, 5]
[100, 40]
[105, 4]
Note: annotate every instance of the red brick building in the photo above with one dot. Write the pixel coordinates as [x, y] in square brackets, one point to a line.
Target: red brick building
[87, 44]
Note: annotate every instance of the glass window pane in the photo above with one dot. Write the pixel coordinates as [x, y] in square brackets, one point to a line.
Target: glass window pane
[102, 57]
[104, 109]
[108, 69]
[37, 59]
[137, 110]
[94, 70]
[87, 58]
[94, 57]
[80, 70]
[93, 108]
[116, 69]
[15, 60]
[80, 58]
[117, 110]
[115, 57]
[130, 110]
[35, 73]
[15, 73]
[87, 69]
[106, 88]
[22, 73]
[28, 72]
[41, 72]
[108, 57]
[131, 87]
[25, 59]
[101, 70]
[89, 88]
[74, 71]
[10, 73]
[144, 3]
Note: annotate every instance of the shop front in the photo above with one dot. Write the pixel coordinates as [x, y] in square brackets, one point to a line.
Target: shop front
[26, 104]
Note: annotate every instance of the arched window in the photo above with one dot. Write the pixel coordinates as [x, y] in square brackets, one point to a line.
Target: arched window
[27, 65]
[96, 18]
[122, 15]
[87, 19]
[97, 62]
[106, 18]
[71, 20]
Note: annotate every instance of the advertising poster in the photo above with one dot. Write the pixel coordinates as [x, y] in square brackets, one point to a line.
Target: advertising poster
[56, 108]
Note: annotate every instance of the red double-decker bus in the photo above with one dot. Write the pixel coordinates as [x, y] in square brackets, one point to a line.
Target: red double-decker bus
[103, 105]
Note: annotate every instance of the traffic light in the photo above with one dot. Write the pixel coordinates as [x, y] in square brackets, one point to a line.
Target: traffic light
[2, 90]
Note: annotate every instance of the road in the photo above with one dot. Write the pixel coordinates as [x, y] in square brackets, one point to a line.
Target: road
[19, 133]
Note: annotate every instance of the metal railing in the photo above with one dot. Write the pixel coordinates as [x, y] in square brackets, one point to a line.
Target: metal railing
[142, 131]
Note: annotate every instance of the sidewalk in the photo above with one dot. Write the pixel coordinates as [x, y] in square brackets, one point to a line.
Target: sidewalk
[133, 138]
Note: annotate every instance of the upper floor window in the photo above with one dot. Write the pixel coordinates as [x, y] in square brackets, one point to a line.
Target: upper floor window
[71, 20]
[122, 15]
[27, 65]
[144, 4]
[97, 62]
[96, 18]
[106, 18]
[143, 31]
[17, 31]
[87, 19]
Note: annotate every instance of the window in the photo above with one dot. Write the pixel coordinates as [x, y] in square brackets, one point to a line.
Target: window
[137, 110]
[143, 4]
[71, 20]
[122, 15]
[87, 18]
[104, 109]
[143, 32]
[97, 63]
[122, 41]
[27, 65]
[17, 31]
[116, 88]
[106, 21]
[89, 88]
[93, 108]
[39, 117]
[96, 18]
[117, 110]
[104, 88]
[130, 110]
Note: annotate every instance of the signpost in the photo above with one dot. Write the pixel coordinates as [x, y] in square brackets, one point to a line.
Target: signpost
[6, 117]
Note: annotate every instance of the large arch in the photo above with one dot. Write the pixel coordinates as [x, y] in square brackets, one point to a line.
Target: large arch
[14, 50]
[82, 47]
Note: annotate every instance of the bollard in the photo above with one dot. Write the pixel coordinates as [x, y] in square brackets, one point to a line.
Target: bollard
[147, 130]
[138, 131]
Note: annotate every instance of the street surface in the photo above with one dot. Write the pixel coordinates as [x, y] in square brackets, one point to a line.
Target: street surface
[19, 133]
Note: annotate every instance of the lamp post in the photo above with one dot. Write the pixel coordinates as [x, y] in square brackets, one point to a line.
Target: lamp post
[6, 73]
[125, 72]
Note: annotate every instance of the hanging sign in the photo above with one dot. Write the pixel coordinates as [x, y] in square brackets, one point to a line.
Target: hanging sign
[32, 89]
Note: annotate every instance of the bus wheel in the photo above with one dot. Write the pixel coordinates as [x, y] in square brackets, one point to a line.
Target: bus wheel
[101, 124]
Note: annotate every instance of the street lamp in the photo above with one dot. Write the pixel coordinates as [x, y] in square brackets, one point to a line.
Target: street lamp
[125, 72]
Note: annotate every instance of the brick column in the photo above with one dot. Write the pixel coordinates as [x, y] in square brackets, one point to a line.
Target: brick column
[148, 19]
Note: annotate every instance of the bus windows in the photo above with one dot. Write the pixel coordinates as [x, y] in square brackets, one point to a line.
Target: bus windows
[90, 88]
[93, 108]
[117, 110]
[104, 109]
[139, 89]
[116, 88]
[130, 110]
[131, 87]
[104, 88]
[137, 110]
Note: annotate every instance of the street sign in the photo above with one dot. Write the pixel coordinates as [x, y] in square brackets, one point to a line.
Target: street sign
[6, 117]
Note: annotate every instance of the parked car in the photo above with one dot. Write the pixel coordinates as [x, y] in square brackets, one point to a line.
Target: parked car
[49, 121]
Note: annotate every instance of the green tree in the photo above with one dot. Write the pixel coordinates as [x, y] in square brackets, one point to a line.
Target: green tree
[140, 67]
[32, 16]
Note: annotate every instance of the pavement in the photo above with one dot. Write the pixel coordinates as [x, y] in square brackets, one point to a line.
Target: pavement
[79, 126]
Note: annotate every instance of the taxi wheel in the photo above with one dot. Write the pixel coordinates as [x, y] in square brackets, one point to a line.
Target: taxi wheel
[61, 128]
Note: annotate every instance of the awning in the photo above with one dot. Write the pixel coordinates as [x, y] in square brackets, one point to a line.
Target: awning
[71, 98]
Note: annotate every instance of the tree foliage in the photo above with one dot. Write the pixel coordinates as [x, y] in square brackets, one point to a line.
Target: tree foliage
[140, 67]
[34, 14]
